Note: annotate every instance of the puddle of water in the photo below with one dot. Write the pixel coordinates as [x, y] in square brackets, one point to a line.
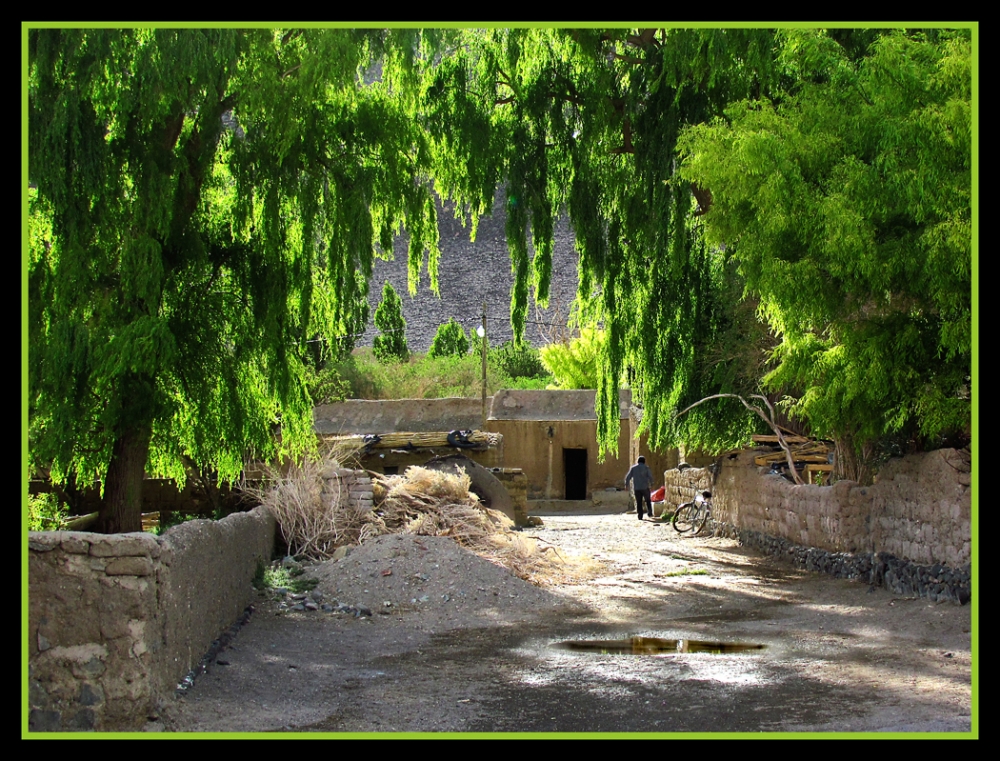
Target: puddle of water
[657, 646]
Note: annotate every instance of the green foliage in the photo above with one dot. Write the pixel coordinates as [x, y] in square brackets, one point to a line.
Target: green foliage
[326, 386]
[587, 120]
[575, 364]
[277, 576]
[196, 190]
[833, 166]
[449, 340]
[45, 513]
[847, 206]
[206, 205]
[518, 362]
[426, 377]
[390, 344]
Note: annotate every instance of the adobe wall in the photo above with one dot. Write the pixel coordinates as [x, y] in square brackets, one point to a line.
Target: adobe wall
[910, 531]
[117, 621]
[536, 447]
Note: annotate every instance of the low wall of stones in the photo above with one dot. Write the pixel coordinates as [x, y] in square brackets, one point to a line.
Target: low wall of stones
[117, 621]
[355, 486]
[910, 531]
[681, 485]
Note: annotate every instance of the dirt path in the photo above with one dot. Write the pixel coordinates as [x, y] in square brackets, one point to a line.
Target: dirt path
[457, 645]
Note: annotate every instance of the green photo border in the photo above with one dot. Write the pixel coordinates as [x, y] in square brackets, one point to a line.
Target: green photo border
[973, 734]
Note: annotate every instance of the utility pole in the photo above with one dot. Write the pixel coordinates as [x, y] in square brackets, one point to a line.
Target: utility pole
[482, 334]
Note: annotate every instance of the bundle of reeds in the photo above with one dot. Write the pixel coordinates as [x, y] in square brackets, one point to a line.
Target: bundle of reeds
[435, 503]
[416, 440]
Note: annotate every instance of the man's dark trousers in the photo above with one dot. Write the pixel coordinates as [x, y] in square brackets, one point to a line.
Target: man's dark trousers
[640, 495]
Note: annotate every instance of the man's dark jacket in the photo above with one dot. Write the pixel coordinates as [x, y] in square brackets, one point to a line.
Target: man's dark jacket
[640, 476]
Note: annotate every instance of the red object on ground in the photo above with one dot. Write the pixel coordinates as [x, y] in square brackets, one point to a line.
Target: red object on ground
[657, 496]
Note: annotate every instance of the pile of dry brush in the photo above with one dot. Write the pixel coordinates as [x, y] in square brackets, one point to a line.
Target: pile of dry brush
[316, 517]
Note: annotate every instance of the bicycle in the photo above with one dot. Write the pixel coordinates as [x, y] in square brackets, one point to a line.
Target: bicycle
[693, 516]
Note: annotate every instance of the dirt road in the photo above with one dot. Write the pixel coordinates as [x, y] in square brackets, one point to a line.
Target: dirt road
[455, 644]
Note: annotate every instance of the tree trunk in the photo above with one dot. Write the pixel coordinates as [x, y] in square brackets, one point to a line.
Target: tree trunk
[121, 510]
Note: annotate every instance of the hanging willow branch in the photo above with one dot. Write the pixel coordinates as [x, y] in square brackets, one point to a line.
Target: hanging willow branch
[769, 420]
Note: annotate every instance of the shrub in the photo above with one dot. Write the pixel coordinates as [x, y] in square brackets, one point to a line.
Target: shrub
[518, 361]
[421, 377]
[450, 340]
[45, 513]
[326, 386]
[574, 364]
[390, 344]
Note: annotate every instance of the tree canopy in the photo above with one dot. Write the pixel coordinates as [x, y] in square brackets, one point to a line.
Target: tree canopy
[847, 206]
[202, 202]
[755, 210]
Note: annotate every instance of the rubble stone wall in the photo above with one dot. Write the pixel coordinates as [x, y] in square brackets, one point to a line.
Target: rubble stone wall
[117, 621]
[910, 531]
[681, 485]
[353, 485]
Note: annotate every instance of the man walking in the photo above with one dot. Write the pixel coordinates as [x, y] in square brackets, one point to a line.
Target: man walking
[642, 481]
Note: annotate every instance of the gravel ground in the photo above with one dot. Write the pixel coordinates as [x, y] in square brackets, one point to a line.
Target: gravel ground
[464, 646]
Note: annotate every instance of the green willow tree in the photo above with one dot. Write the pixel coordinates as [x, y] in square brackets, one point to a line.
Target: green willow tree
[587, 121]
[824, 236]
[847, 206]
[191, 190]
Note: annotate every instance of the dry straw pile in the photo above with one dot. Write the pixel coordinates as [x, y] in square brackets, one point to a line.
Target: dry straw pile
[316, 517]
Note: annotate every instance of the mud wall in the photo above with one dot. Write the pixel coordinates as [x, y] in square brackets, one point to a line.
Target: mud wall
[117, 621]
[910, 531]
[681, 485]
[536, 447]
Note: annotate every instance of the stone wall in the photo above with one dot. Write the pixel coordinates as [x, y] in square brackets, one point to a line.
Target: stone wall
[354, 485]
[117, 621]
[681, 485]
[910, 531]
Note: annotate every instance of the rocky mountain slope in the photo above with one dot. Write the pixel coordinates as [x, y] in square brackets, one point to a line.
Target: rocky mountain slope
[471, 272]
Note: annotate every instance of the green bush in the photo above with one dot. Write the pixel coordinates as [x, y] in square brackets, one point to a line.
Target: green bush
[519, 361]
[390, 344]
[425, 377]
[327, 386]
[450, 340]
[45, 513]
[574, 364]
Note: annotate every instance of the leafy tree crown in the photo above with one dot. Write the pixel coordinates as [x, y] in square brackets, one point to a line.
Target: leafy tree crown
[390, 344]
[450, 339]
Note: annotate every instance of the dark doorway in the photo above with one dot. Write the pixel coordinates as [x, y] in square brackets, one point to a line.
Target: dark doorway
[575, 467]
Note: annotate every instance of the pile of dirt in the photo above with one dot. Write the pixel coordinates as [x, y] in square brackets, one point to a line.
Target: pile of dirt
[406, 576]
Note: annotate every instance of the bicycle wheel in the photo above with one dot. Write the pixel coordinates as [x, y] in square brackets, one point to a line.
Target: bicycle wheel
[682, 521]
[699, 519]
